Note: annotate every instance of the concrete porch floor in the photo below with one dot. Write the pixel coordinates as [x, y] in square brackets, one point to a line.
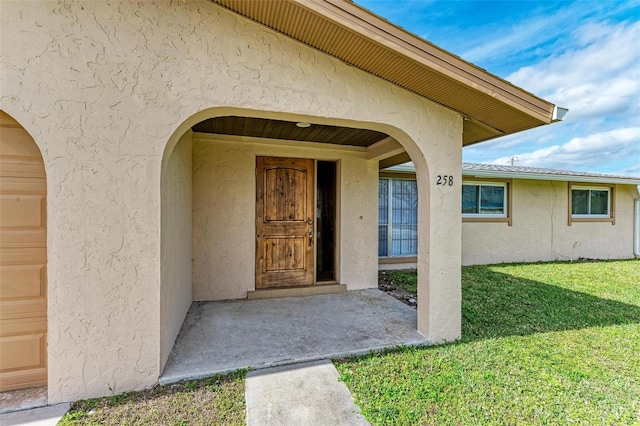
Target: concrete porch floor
[218, 337]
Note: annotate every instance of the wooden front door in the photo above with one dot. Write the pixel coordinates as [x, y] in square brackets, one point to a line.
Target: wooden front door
[23, 259]
[284, 222]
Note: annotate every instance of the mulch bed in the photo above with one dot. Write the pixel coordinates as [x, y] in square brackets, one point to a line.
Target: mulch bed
[397, 292]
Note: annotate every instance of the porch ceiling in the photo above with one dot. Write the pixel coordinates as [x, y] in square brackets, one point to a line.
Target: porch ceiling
[288, 130]
[492, 107]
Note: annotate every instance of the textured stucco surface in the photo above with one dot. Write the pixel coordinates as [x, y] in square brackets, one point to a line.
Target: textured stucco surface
[540, 230]
[106, 89]
[224, 194]
[177, 201]
[396, 266]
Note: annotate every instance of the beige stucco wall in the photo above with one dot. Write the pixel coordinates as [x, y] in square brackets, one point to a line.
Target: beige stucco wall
[175, 286]
[224, 211]
[107, 88]
[540, 229]
[396, 266]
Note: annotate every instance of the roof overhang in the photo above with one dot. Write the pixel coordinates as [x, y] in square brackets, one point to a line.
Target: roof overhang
[565, 177]
[491, 107]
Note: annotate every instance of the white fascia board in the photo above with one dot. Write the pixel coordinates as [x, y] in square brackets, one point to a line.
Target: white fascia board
[497, 174]
[544, 176]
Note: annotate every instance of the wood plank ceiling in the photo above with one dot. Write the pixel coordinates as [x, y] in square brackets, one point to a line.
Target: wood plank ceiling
[288, 130]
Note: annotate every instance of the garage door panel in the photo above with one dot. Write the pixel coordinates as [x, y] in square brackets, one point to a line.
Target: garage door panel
[23, 327]
[14, 380]
[11, 310]
[23, 256]
[24, 239]
[21, 167]
[18, 142]
[23, 186]
[23, 260]
[22, 352]
[23, 275]
[22, 212]
[22, 281]
[23, 360]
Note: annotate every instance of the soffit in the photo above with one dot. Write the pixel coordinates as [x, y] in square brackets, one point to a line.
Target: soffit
[492, 107]
[288, 130]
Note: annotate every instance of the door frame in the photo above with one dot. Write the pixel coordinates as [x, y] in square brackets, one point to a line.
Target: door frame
[337, 230]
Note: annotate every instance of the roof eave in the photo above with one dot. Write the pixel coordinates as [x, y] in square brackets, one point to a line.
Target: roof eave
[441, 60]
[489, 174]
[510, 109]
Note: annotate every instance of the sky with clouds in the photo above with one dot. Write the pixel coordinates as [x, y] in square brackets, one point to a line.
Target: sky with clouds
[582, 55]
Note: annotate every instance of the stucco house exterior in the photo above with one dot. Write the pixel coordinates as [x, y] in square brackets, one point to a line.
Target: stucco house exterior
[519, 214]
[159, 153]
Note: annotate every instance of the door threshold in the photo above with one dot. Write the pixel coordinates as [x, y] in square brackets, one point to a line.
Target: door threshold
[271, 293]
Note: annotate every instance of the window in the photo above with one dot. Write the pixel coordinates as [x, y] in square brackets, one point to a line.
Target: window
[591, 202]
[484, 200]
[397, 217]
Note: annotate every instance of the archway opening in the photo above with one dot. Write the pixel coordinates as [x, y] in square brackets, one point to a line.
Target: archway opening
[23, 262]
[224, 208]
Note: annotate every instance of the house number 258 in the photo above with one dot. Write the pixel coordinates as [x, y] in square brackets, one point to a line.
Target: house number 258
[445, 180]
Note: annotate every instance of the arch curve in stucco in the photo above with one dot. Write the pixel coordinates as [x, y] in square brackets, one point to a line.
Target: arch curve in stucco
[21, 117]
[400, 135]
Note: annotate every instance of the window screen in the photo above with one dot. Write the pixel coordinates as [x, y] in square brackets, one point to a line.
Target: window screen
[397, 217]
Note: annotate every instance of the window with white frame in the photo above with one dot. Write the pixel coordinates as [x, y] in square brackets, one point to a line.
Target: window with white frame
[484, 199]
[590, 202]
[397, 217]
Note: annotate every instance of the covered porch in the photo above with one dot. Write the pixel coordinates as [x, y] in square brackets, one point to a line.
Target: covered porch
[255, 203]
[219, 337]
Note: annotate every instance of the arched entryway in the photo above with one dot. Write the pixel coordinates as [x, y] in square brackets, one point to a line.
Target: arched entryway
[216, 191]
[23, 259]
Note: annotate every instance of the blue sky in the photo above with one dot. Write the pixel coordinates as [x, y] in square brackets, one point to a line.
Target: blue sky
[582, 55]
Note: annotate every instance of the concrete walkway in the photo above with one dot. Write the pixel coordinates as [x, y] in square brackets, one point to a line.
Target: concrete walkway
[219, 337]
[307, 394]
[301, 394]
[43, 416]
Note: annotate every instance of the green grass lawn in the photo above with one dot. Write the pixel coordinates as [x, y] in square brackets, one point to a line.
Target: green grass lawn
[215, 401]
[546, 343]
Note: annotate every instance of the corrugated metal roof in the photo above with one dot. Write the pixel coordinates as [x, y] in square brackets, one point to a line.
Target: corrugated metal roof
[492, 107]
[491, 170]
[535, 173]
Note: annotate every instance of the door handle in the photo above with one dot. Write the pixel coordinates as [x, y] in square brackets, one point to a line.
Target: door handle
[310, 231]
[310, 221]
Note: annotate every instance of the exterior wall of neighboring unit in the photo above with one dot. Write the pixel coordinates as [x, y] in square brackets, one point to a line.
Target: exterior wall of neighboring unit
[399, 266]
[224, 194]
[108, 89]
[540, 229]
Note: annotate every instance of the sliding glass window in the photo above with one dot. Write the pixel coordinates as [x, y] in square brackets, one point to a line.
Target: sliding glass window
[484, 199]
[590, 202]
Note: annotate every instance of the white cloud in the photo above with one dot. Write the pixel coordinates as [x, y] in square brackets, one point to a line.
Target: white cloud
[598, 79]
[582, 152]
[599, 75]
[521, 36]
[630, 171]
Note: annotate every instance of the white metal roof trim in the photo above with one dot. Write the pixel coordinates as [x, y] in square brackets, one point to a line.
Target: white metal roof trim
[534, 173]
